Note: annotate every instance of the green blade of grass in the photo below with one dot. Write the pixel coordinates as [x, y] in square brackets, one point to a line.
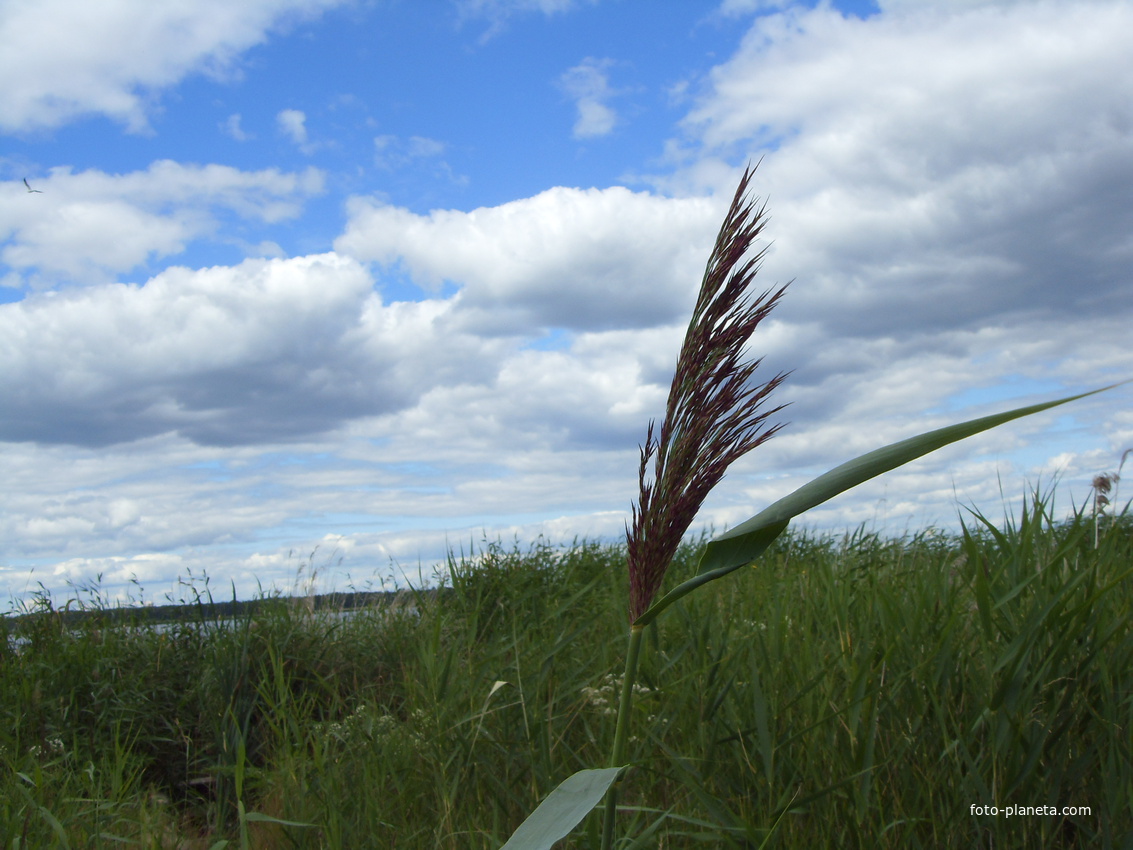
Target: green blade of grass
[747, 541]
[563, 810]
[257, 817]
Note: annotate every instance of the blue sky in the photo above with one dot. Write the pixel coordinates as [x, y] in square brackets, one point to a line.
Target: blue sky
[379, 278]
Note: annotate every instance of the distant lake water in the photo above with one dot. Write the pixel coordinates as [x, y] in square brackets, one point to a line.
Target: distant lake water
[328, 616]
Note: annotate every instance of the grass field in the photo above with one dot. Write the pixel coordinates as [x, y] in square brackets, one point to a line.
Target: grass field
[850, 691]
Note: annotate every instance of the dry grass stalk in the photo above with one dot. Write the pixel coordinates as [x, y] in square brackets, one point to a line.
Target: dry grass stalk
[1103, 485]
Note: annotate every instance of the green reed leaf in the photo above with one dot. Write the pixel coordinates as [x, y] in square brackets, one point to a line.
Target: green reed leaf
[748, 540]
[257, 817]
[563, 810]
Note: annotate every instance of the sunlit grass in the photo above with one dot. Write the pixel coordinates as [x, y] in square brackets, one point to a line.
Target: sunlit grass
[850, 691]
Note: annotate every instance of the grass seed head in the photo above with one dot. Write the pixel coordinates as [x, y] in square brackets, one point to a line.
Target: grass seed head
[716, 410]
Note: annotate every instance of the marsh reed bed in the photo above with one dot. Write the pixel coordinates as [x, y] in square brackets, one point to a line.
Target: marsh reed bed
[848, 691]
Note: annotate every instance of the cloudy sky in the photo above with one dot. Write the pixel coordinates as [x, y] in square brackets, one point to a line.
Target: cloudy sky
[374, 278]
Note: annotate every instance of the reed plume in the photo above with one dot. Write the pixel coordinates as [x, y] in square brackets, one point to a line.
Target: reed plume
[715, 413]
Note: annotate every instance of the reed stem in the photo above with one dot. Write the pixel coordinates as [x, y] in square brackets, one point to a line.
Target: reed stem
[621, 732]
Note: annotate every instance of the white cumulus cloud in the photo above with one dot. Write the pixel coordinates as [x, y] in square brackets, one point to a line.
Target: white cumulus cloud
[63, 59]
[588, 85]
[293, 124]
[263, 351]
[574, 258]
[89, 226]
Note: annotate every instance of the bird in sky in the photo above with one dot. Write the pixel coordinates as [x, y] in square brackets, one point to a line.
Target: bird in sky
[30, 189]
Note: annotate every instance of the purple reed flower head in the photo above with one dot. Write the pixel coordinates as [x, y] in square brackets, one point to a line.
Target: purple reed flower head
[715, 413]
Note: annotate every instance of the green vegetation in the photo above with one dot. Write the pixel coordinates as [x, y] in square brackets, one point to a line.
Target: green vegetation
[715, 414]
[849, 691]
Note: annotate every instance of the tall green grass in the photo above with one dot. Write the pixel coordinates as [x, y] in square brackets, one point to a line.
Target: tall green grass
[849, 691]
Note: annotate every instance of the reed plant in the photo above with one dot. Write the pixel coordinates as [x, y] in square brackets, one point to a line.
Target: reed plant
[716, 414]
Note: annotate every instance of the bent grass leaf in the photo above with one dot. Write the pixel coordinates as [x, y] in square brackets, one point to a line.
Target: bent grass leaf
[257, 817]
[563, 810]
[747, 541]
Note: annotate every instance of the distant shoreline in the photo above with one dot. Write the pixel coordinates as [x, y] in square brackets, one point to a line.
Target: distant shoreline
[213, 610]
